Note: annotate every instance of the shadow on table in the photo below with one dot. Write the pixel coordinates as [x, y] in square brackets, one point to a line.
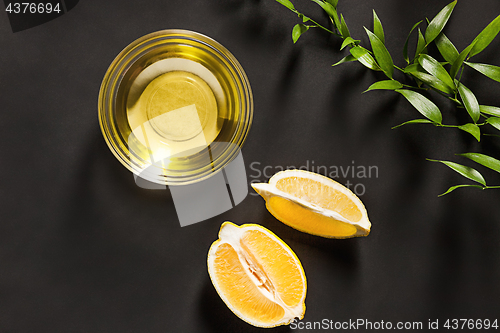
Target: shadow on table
[100, 179]
[344, 252]
[100, 255]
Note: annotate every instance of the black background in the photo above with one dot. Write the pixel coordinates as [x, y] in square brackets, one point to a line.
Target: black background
[83, 249]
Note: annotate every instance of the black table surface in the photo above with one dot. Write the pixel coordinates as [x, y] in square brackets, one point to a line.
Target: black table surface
[83, 249]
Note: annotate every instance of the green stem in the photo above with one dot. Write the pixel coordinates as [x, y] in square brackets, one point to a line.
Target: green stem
[316, 23]
[440, 93]
[320, 26]
[459, 104]
[462, 71]
[336, 31]
[402, 70]
[444, 125]
[460, 77]
[448, 96]
[412, 87]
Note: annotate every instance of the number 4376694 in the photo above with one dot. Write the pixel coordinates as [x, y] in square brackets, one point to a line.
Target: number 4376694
[478, 324]
[32, 8]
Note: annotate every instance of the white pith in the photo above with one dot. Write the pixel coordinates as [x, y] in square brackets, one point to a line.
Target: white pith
[232, 234]
[268, 190]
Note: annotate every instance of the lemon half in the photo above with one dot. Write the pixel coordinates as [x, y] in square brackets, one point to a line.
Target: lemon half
[257, 275]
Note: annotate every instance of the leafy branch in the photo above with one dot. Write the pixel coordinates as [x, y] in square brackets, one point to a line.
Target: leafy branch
[426, 72]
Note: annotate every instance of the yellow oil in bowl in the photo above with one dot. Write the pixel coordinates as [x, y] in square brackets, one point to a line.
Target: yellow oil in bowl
[175, 107]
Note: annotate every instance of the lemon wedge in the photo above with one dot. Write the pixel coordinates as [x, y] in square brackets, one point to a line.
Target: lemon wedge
[314, 204]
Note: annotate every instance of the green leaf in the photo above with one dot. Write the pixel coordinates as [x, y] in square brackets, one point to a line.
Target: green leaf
[333, 2]
[381, 54]
[414, 121]
[446, 48]
[485, 160]
[377, 27]
[472, 129]
[345, 59]
[470, 102]
[423, 105]
[385, 85]
[303, 18]
[493, 72]
[438, 22]
[460, 60]
[330, 10]
[459, 186]
[421, 76]
[432, 81]
[343, 27]
[413, 68]
[465, 171]
[486, 36]
[432, 66]
[287, 4]
[420, 44]
[494, 121]
[405, 48]
[297, 31]
[325, 6]
[348, 41]
[491, 110]
[364, 57]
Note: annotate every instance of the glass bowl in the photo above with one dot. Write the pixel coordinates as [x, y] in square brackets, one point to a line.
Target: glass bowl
[147, 127]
